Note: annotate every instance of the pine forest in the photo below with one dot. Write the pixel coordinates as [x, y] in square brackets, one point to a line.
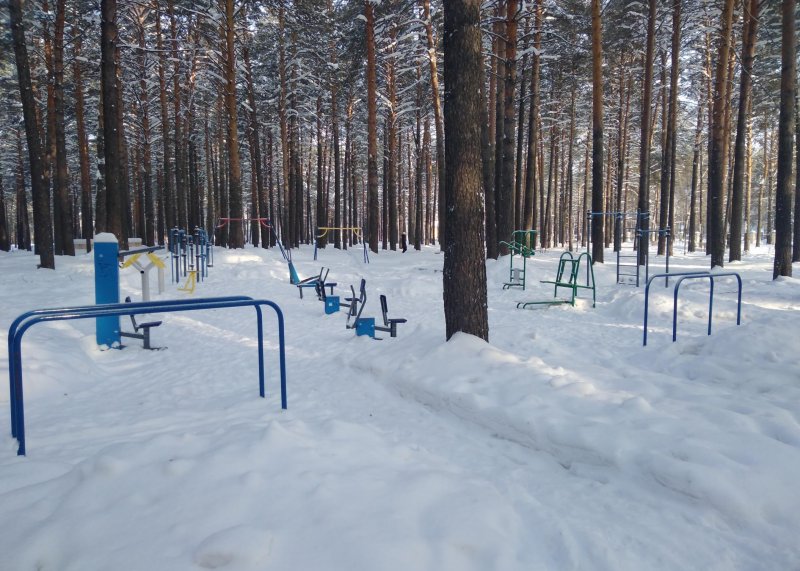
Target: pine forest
[135, 117]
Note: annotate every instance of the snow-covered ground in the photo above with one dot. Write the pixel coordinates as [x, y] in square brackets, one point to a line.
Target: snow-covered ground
[562, 444]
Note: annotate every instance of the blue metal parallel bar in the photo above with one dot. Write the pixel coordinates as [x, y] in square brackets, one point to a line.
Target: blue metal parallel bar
[650, 280]
[22, 324]
[711, 277]
[12, 330]
[686, 276]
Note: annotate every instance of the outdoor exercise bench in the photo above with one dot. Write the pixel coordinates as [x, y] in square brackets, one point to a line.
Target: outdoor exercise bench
[570, 282]
[356, 305]
[390, 325]
[144, 327]
[311, 281]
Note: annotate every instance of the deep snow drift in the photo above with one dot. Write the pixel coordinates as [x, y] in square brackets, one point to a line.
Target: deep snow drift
[561, 444]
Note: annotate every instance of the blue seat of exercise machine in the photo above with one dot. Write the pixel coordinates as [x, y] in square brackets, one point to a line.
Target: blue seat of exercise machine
[366, 326]
[331, 304]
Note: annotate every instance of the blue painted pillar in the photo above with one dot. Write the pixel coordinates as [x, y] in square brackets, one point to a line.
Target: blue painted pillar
[106, 286]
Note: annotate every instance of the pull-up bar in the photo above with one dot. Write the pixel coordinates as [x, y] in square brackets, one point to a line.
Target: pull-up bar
[263, 221]
[357, 230]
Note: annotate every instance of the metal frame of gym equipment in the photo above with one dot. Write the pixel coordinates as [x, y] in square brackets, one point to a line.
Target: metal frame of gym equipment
[265, 222]
[133, 260]
[523, 242]
[690, 276]
[620, 232]
[572, 283]
[190, 256]
[25, 321]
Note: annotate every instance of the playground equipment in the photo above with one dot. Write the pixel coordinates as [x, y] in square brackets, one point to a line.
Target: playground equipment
[27, 320]
[571, 281]
[666, 232]
[690, 276]
[144, 327]
[133, 260]
[356, 304]
[333, 303]
[523, 242]
[390, 325]
[311, 281]
[191, 256]
[366, 325]
[264, 222]
[322, 231]
[628, 267]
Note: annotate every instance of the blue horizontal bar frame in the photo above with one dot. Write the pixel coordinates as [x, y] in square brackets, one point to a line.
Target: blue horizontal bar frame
[711, 277]
[682, 276]
[27, 320]
[57, 310]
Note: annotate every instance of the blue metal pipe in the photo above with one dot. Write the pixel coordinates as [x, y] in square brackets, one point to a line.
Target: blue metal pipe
[711, 277]
[15, 373]
[647, 296]
[12, 330]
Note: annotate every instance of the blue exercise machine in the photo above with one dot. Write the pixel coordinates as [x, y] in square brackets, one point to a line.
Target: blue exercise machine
[311, 281]
[367, 325]
[191, 254]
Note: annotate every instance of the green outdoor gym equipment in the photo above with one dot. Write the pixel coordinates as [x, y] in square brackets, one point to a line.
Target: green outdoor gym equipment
[569, 281]
[523, 242]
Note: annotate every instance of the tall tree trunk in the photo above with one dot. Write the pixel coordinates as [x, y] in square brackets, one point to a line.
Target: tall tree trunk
[667, 166]
[437, 113]
[622, 149]
[505, 192]
[148, 235]
[429, 198]
[499, 115]
[168, 169]
[124, 174]
[236, 238]
[48, 130]
[716, 146]
[321, 204]
[530, 211]
[693, 213]
[373, 214]
[111, 142]
[487, 175]
[254, 141]
[465, 304]
[5, 241]
[745, 90]
[392, 155]
[783, 193]
[180, 182]
[23, 227]
[568, 179]
[42, 221]
[337, 171]
[796, 238]
[519, 197]
[62, 203]
[489, 152]
[597, 131]
[87, 219]
[643, 205]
